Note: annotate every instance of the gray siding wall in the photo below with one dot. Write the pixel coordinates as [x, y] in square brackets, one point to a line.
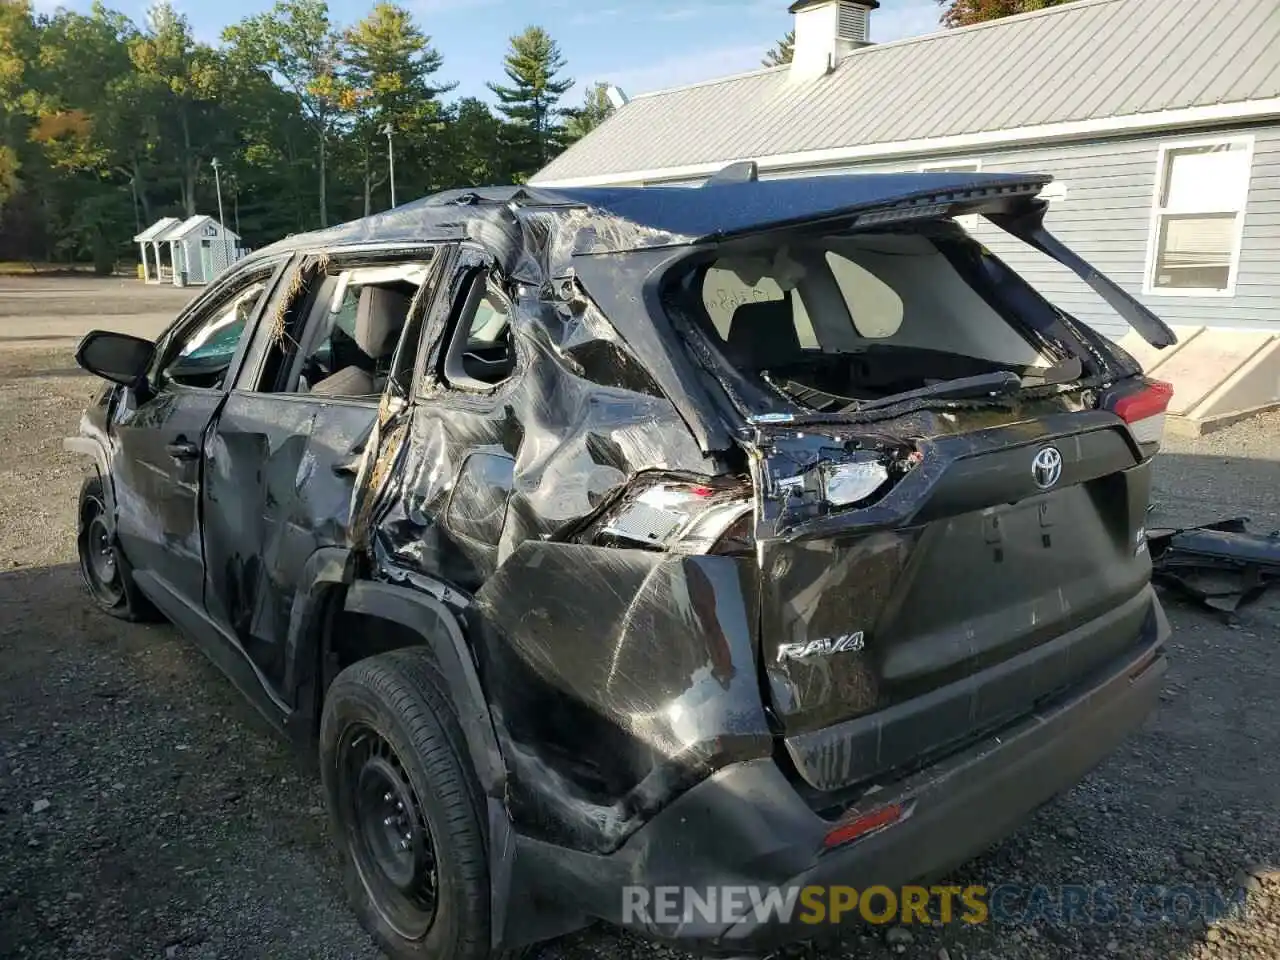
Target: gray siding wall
[1106, 218]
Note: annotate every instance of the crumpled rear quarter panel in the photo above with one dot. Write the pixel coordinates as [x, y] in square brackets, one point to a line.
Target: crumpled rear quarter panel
[615, 677]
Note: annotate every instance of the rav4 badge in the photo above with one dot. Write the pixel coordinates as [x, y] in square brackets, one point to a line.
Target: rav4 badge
[849, 643]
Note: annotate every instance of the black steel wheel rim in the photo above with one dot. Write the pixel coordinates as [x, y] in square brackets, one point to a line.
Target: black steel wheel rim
[98, 560]
[388, 836]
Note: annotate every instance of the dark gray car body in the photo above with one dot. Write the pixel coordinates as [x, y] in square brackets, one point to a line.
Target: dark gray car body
[618, 704]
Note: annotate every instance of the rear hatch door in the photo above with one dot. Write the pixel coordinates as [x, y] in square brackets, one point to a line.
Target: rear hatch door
[892, 629]
[934, 560]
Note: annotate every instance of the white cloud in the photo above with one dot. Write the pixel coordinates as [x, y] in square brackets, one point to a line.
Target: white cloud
[595, 15]
[686, 68]
[436, 7]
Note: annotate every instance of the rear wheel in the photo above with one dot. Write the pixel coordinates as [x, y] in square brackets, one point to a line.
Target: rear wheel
[406, 809]
[105, 569]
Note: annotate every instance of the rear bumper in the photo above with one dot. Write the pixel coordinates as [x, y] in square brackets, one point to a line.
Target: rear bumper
[747, 826]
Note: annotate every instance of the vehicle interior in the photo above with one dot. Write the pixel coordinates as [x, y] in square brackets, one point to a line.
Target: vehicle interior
[206, 355]
[481, 349]
[358, 319]
[350, 351]
[844, 319]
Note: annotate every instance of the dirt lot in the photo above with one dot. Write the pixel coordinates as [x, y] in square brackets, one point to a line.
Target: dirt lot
[146, 811]
[50, 309]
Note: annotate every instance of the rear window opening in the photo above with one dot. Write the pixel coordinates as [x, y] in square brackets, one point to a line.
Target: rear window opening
[834, 322]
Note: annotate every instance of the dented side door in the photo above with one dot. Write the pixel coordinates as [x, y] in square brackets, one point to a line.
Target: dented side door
[283, 468]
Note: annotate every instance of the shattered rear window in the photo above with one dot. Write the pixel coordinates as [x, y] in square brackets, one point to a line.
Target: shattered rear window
[831, 320]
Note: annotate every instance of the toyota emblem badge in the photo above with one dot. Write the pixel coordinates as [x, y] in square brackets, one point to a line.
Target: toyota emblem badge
[1047, 467]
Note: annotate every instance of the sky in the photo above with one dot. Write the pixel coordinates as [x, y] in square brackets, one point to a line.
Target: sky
[639, 46]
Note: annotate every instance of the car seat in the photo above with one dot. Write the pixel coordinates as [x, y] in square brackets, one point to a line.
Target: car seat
[380, 316]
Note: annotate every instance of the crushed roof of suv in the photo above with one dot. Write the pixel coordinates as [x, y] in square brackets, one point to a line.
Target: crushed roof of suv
[621, 219]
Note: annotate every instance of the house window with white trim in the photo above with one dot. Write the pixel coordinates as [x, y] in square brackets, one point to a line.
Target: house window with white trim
[970, 221]
[1198, 219]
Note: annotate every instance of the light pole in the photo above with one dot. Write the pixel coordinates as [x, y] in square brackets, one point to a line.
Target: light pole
[391, 161]
[222, 223]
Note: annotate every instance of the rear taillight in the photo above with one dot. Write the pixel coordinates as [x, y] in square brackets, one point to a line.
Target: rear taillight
[688, 517]
[1144, 410]
[858, 827]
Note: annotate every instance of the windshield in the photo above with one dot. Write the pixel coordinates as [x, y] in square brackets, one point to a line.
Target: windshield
[836, 320]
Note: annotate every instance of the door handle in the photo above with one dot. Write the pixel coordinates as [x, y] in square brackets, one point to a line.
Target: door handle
[182, 450]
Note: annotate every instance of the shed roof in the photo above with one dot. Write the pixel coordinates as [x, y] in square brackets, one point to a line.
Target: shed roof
[1081, 61]
[157, 230]
[190, 225]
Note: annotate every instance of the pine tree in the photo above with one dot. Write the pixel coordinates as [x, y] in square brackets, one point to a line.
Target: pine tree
[390, 67]
[782, 53]
[595, 110]
[531, 102]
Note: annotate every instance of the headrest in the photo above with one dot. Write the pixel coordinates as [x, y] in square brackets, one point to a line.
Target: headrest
[380, 316]
[763, 334]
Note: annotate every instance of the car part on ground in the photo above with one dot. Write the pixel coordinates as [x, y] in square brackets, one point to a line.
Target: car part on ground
[1220, 565]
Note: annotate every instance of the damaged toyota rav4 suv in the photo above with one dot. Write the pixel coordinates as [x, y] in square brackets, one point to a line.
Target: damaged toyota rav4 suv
[769, 533]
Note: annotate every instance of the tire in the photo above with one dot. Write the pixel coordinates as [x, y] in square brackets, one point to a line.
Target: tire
[391, 749]
[103, 566]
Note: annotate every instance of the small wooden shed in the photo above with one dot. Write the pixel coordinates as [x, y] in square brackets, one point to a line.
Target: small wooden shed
[197, 249]
[201, 248]
[150, 243]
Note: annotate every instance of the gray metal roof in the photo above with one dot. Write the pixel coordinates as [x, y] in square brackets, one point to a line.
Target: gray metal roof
[1081, 61]
[157, 229]
[189, 226]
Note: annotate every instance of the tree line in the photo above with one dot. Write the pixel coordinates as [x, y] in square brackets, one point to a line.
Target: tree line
[107, 125]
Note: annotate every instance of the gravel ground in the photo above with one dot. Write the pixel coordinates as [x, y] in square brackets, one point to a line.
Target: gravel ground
[146, 811]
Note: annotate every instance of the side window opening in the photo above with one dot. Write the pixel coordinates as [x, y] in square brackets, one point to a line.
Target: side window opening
[341, 338]
[481, 353]
[206, 353]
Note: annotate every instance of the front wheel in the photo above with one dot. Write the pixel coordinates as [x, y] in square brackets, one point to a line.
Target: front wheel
[406, 810]
[103, 566]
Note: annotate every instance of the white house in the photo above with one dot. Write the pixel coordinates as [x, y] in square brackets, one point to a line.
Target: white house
[199, 248]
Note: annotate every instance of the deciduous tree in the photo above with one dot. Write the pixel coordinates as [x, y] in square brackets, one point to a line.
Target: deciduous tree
[296, 44]
[963, 13]
[17, 50]
[181, 82]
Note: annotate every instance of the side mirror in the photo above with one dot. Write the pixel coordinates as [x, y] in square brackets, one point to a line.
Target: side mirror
[117, 357]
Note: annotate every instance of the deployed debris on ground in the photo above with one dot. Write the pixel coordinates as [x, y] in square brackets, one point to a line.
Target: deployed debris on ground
[1221, 565]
